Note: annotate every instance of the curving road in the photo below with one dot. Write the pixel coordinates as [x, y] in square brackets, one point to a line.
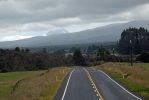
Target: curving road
[90, 84]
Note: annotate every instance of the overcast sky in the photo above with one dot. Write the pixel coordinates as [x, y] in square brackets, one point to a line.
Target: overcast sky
[26, 18]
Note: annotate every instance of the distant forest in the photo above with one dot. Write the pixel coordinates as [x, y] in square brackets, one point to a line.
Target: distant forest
[23, 59]
[139, 38]
[135, 41]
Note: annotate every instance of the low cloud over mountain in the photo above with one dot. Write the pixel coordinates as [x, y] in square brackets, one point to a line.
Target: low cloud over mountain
[109, 33]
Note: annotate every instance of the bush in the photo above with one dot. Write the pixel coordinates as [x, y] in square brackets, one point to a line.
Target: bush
[144, 57]
[4, 71]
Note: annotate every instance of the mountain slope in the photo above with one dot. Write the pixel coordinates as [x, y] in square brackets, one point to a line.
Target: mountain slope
[109, 33]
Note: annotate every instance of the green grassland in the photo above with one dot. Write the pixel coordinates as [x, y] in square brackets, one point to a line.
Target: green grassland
[36, 85]
[138, 76]
[8, 80]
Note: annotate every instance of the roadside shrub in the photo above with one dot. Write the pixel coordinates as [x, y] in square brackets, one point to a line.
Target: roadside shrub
[144, 57]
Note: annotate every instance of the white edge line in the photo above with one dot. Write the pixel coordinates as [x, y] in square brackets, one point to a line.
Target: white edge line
[120, 85]
[67, 85]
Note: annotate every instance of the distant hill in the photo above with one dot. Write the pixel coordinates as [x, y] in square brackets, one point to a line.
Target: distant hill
[109, 33]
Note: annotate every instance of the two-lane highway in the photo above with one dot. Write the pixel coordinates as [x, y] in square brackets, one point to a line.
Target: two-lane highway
[78, 87]
[90, 84]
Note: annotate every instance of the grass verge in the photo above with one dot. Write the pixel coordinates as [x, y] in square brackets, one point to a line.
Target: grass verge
[40, 87]
[137, 80]
[8, 80]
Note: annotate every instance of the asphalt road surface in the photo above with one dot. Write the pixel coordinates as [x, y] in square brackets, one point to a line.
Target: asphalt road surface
[90, 84]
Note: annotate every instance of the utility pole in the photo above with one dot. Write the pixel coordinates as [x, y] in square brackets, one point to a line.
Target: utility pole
[131, 53]
[113, 50]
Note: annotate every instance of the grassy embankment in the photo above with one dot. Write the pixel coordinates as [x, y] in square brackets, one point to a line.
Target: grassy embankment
[137, 80]
[36, 85]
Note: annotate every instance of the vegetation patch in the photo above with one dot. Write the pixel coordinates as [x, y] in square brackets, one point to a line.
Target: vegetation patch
[40, 87]
[8, 81]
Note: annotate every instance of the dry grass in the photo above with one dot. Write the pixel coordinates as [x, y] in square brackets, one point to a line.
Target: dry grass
[40, 87]
[138, 76]
[9, 79]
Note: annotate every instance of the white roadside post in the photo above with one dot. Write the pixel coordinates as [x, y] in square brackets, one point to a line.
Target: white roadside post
[63, 71]
[56, 78]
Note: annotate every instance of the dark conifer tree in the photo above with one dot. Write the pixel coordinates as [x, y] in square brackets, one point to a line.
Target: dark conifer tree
[78, 58]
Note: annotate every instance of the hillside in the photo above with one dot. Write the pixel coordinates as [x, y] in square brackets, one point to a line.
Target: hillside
[109, 33]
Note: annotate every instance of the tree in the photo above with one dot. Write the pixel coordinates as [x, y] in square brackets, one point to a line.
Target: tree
[17, 49]
[44, 50]
[27, 50]
[78, 58]
[103, 52]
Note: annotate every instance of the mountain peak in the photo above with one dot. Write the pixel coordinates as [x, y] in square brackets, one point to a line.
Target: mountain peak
[57, 31]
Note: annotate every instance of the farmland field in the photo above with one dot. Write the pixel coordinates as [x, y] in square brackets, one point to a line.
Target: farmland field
[38, 85]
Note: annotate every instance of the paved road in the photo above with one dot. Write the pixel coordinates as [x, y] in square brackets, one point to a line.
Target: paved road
[79, 87]
[109, 88]
[90, 84]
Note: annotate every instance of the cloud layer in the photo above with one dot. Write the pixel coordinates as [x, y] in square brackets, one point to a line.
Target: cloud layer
[19, 17]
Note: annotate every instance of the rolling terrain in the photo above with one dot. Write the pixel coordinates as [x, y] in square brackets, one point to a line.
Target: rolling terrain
[109, 33]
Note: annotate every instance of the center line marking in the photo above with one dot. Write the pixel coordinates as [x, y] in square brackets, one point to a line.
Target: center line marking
[94, 86]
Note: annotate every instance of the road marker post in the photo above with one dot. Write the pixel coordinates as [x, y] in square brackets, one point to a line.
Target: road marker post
[63, 71]
[56, 78]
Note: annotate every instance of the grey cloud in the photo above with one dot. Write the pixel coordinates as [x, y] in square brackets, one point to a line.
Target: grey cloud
[21, 12]
[45, 10]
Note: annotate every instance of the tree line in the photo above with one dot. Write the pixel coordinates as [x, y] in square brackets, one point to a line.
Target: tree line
[135, 40]
[139, 38]
[22, 59]
[25, 60]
